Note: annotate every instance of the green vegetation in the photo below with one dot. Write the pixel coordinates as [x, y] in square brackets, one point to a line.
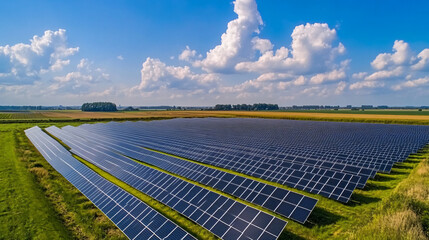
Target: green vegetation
[404, 213]
[369, 208]
[21, 115]
[194, 229]
[382, 204]
[38, 203]
[367, 111]
[99, 107]
[25, 213]
[245, 107]
[213, 189]
[369, 116]
[127, 109]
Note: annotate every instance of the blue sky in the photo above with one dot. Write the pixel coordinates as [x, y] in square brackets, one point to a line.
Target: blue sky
[171, 52]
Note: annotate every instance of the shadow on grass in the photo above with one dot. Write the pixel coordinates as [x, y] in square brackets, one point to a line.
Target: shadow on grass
[321, 217]
[396, 171]
[413, 160]
[374, 186]
[382, 178]
[289, 236]
[360, 199]
[400, 166]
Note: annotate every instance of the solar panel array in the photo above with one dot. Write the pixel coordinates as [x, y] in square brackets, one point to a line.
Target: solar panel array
[289, 204]
[326, 158]
[226, 218]
[133, 217]
[335, 185]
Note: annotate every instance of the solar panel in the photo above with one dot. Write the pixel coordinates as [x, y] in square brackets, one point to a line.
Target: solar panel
[132, 216]
[291, 205]
[319, 157]
[223, 216]
[331, 184]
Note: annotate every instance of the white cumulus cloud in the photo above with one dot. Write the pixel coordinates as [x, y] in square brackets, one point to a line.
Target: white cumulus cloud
[359, 75]
[25, 62]
[423, 61]
[401, 56]
[312, 51]
[366, 84]
[412, 83]
[385, 74]
[394, 70]
[157, 75]
[187, 54]
[340, 87]
[236, 42]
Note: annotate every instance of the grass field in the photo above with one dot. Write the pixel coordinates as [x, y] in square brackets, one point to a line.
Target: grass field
[22, 115]
[375, 116]
[369, 111]
[38, 203]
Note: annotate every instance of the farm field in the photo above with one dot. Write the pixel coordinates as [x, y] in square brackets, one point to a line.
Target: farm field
[375, 116]
[402, 195]
[21, 115]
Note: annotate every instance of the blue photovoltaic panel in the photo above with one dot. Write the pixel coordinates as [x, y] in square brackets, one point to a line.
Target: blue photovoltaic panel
[226, 218]
[328, 158]
[291, 205]
[133, 217]
[331, 184]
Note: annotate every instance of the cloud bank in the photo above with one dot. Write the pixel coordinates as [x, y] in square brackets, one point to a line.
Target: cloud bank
[313, 58]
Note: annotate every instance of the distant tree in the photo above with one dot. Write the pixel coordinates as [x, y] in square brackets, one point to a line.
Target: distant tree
[265, 106]
[99, 107]
[131, 109]
[245, 107]
[223, 107]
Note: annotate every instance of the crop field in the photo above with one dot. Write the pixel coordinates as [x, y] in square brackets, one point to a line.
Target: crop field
[37, 202]
[375, 116]
[421, 112]
[22, 115]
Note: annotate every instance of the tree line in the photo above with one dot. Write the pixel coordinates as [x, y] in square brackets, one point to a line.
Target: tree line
[247, 107]
[99, 107]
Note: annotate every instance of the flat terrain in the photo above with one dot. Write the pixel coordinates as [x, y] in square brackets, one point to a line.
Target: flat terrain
[24, 209]
[37, 203]
[377, 116]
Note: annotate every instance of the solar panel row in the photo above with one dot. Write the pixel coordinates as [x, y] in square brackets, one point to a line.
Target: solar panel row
[310, 134]
[285, 151]
[331, 184]
[289, 204]
[388, 140]
[226, 218]
[133, 217]
[343, 140]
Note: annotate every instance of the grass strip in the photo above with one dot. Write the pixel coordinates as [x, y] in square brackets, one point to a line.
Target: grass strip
[75, 213]
[336, 220]
[196, 230]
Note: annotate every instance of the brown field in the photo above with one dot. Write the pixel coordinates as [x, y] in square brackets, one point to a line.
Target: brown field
[381, 118]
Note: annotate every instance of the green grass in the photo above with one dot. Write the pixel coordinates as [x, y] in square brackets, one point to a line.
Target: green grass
[5, 115]
[38, 203]
[213, 189]
[387, 116]
[21, 115]
[194, 229]
[334, 220]
[367, 111]
[25, 212]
